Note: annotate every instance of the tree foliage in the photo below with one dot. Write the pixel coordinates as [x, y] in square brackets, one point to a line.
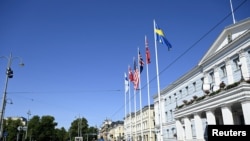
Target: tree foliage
[44, 129]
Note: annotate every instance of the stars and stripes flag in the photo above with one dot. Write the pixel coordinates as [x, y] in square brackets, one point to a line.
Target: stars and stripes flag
[136, 76]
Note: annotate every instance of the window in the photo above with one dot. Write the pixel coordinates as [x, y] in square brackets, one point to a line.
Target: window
[211, 76]
[223, 71]
[171, 115]
[187, 90]
[194, 85]
[180, 93]
[229, 38]
[236, 65]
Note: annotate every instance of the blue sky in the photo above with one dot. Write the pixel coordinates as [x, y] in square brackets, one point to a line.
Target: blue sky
[76, 52]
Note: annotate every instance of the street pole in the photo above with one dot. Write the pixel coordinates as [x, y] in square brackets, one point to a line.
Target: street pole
[27, 124]
[9, 74]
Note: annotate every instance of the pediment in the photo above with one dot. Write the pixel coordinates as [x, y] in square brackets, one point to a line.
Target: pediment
[227, 36]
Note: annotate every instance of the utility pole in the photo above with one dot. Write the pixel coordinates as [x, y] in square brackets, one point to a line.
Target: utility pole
[9, 74]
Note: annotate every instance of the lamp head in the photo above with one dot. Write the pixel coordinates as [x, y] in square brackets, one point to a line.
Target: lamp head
[21, 64]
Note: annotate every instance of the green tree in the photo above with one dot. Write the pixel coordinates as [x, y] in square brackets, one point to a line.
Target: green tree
[41, 129]
[92, 133]
[61, 135]
[79, 127]
[10, 127]
[33, 127]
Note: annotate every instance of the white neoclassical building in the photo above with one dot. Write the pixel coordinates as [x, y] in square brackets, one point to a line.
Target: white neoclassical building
[215, 92]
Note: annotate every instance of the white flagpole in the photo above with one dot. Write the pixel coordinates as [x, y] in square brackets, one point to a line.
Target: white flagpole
[125, 93]
[140, 92]
[158, 85]
[232, 10]
[135, 114]
[135, 109]
[150, 134]
[129, 95]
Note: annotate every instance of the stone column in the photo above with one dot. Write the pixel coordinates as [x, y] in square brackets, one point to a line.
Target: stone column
[198, 126]
[243, 60]
[227, 115]
[246, 113]
[216, 78]
[210, 117]
[179, 130]
[229, 71]
[188, 129]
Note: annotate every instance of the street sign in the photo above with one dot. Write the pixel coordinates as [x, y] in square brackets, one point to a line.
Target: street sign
[5, 134]
[22, 128]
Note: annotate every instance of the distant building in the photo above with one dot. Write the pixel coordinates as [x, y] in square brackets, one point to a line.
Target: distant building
[104, 130]
[22, 119]
[112, 131]
[215, 92]
[135, 128]
[116, 132]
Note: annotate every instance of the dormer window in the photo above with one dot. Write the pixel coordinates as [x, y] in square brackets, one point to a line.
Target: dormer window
[229, 38]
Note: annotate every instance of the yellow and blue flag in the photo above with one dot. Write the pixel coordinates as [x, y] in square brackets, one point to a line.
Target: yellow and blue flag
[160, 37]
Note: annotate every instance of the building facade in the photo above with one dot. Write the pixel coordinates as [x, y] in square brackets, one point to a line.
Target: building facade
[215, 92]
[116, 132]
[112, 131]
[140, 126]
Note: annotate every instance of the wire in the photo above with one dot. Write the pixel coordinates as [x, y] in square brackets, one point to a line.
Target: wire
[186, 51]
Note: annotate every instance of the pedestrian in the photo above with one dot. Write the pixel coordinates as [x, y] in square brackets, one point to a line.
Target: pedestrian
[101, 138]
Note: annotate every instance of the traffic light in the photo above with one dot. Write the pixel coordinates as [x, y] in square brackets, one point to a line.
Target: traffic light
[10, 73]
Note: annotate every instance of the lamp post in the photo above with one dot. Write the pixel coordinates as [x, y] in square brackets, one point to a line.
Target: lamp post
[240, 65]
[9, 74]
[28, 113]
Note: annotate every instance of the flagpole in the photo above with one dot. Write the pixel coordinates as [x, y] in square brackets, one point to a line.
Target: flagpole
[135, 114]
[150, 134]
[232, 10]
[139, 63]
[158, 85]
[125, 93]
[129, 103]
[135, 105]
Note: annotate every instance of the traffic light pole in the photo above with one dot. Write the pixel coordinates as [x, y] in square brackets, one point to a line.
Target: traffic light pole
[4, 97]
[9, 74]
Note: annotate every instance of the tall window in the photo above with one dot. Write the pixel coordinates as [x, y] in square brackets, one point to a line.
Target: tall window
[236, 61]
[223, 71]
[171, 115]
[229, 38]
[187, 90]
[194, 86]
[211, 75]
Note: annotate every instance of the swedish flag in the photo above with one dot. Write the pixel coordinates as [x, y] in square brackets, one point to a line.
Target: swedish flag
[160, 37]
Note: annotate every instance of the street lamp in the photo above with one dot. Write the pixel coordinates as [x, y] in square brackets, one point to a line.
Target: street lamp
[28, 113]
[9, 74]
[240, 65]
